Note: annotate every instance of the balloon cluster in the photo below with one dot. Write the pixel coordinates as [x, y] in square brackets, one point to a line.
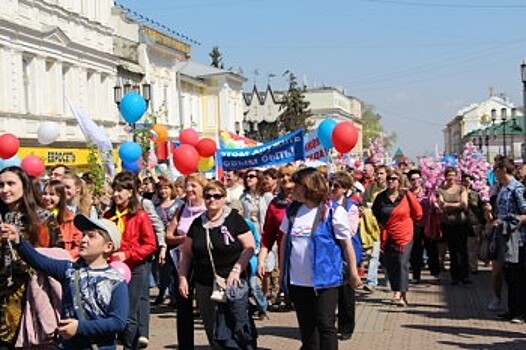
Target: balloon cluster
[342, 136]
[475, 164]
[376, 151]
[194, 154]
[9, 145]
[432, 173]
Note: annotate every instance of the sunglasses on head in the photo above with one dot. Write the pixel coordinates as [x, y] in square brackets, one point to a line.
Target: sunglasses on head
[216, 196]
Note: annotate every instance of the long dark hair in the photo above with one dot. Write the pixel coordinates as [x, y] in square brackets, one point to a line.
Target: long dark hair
[127, 180]
[27, 205]
[57, 187]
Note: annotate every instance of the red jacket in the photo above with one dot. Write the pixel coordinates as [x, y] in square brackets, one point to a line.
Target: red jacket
[70, 234]
[271, 233]
[138, 239]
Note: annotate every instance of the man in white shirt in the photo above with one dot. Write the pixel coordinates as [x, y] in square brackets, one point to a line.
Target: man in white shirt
[234, 189]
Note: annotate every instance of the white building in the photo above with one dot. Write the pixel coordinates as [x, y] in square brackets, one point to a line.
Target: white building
[50, 50]
[473, 117]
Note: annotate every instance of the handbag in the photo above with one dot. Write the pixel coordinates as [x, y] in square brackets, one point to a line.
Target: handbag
[219, 285]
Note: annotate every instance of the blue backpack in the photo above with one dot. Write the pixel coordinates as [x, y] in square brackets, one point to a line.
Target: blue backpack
[356, 242]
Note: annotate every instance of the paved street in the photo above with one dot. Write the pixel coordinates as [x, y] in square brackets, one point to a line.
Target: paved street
[440, 317]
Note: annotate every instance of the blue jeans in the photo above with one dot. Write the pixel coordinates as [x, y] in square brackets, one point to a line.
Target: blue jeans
[261, 299]
[374, 262]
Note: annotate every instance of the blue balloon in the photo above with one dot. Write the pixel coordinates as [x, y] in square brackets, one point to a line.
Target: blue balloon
[133, 167]
[132, 107]
[13, 161]
[130, 152]
[325, 130]
[450, 160]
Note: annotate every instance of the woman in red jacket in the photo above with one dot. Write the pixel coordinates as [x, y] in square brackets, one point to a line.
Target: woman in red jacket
[396, 209]
[138, 244]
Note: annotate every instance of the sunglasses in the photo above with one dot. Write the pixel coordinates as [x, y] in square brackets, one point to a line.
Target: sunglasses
[251, 176]
[335, 185]
[415, 178]
[216, 196]
[392, 178]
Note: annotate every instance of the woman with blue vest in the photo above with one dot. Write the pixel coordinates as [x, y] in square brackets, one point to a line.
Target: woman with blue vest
[317, 241]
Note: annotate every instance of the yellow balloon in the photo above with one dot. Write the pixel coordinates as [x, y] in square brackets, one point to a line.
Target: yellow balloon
[205, 164]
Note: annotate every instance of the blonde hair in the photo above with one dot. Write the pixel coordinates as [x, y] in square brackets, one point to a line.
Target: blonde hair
[85, 200]
[199, 178]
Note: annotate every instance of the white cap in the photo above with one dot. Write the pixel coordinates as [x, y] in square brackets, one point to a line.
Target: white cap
[83, 223]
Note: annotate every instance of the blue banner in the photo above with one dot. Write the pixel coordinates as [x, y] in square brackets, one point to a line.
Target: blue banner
[287, 148]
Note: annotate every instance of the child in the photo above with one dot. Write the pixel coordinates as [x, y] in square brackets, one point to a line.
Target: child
[95, 297]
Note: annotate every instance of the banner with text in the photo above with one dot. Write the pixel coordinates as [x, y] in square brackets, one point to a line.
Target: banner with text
[285, 149]
[314, 150]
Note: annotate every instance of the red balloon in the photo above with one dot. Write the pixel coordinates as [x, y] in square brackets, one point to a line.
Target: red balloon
[33, 165]
[344, 137]
[357, 164]
[206, 147]
[189, 137]
[9, 145]
[186, 159]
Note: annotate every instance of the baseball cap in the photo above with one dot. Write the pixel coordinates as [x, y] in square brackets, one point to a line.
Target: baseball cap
[83, 223]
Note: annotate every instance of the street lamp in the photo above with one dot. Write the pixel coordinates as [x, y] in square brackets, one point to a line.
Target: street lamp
[503, 117]
[513, 129]
[523, 77]
[251, 129]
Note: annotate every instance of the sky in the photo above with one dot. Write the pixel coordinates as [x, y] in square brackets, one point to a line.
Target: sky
[416, 61]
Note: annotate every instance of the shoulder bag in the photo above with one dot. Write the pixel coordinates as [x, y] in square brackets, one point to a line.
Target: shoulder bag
[219, 284]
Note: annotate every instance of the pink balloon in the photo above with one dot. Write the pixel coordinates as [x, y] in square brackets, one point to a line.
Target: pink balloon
[33, 165]
[123, 269]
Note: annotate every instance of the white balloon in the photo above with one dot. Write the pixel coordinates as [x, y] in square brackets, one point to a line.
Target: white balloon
[48, 132]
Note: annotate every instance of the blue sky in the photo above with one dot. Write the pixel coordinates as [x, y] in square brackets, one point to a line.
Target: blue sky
[416, 61]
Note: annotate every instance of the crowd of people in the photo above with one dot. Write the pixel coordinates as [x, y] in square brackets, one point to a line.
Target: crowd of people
[288, 238]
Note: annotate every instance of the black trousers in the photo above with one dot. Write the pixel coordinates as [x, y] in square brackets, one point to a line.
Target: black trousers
[457, 242]
[433, 261]
[185, 315]
[417, 252]
[346, 309]
[140, 275]
[316, 314]
[515, 275]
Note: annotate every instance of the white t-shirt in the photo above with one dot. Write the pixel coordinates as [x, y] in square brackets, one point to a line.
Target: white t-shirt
[300, 257]
[234, 193]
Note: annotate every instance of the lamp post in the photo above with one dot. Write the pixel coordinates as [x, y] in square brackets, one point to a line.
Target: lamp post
[503, 117]
[251, 129]
[126, 88]
[523, 77]
[513, 129]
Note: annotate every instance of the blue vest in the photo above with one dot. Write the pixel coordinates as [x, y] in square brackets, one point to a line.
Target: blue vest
[325, 251]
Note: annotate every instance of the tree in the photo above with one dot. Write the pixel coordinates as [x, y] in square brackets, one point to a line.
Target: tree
[268, 131]
[216, 58]
[296, 113]
[373, 128]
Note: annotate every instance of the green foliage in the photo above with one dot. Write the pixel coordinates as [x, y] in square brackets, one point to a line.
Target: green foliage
[372, 128]
[96, 169]
[296, 113]
[216, 58]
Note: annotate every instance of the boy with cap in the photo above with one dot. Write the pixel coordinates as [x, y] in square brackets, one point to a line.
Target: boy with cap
[95, 296]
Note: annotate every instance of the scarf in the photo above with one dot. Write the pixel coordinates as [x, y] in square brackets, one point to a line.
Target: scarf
[119, 217]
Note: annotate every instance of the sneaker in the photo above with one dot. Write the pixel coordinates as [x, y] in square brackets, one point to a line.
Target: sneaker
[369, 288]
[495, 304]
[517, 320]
[143, 342]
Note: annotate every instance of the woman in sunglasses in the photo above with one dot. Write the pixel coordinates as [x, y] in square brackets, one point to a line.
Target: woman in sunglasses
[254, 199]
[396, 210]
[230, 248]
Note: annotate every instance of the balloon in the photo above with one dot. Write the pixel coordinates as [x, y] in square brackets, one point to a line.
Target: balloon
[33, 165]
[205, 164]
[189, 137]
[325, 130]
[6, 163]
[357, 164]
[450, 160]
[186, 159]
[123, 269]
[133, 167]
[48, 132]
[132, 107]
[206, 147]
[129, 152]
[160, 133]
[344, 137]
[9, 145]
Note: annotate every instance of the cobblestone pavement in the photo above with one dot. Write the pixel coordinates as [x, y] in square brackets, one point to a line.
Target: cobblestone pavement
[440, 316]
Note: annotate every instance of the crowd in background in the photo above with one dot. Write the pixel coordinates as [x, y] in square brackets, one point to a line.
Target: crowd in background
[260, 240]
